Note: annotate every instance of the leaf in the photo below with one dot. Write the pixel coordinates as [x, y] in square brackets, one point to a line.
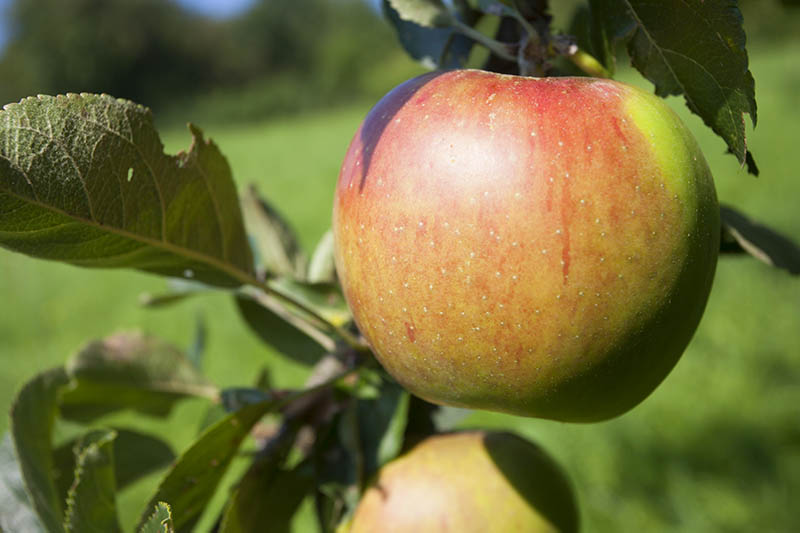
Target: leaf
[198, 347]
[130, 371]
[193, 479]
[322, 268]
[742, 235]
[280, 251]
[267, 494]
[91, 504]
[16, 513]
[275, 331]
[690, 47]
[32, 417]
[425, 419]
[160, 521]
[440, 48]
[84, 180]
[135, 456]
[179, 290]
[382, 424]
[324, 298]
[426, 13]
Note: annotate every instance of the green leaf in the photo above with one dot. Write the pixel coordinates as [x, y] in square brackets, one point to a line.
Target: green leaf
[740, 234]
[322, 268]
[178, 290]
[16, 513]
[275, 331]
[426, 13]
[32, 417]
[197, 349]
[135, 456]
[695, 48]
[91, 504]
[324, 298]
[425, 419]
[440, 48]
[382, 424]
[160, 521]
[130, 371]
[193, 479]
[280, 251]
[84, 180]
[269, 495]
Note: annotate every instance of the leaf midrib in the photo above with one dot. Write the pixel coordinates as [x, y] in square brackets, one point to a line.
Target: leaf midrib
[228, 268]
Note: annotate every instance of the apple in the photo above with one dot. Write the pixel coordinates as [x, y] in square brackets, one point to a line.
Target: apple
[473, 481]
[541, 247]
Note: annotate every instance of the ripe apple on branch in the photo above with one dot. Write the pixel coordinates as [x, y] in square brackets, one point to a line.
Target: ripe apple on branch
[543, 247]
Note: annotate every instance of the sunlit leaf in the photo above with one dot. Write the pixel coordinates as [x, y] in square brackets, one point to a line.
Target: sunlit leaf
[426, 13]
[84, 180]
[160, 521]
[434, 47]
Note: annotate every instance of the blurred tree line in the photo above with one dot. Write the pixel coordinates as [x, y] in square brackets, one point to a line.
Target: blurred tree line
[278, 57]
[281, 54]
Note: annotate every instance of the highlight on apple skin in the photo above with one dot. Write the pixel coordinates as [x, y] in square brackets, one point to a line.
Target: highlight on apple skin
[469, 482]
[541, 247]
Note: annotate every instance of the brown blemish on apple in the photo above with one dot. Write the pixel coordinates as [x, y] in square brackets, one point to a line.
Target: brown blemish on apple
[615, 124]
[410, 331]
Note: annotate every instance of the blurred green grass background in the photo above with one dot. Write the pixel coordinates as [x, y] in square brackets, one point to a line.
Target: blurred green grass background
[715, 448]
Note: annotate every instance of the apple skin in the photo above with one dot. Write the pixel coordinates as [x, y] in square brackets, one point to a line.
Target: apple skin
[469, 482]
[541, 247]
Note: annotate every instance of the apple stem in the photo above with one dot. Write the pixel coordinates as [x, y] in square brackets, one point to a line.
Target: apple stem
[588, 63]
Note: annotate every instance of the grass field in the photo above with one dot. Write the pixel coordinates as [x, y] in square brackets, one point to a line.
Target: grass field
[715, 448]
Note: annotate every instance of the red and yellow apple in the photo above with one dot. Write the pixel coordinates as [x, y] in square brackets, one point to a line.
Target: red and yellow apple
[542, 247]
[468, 482]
